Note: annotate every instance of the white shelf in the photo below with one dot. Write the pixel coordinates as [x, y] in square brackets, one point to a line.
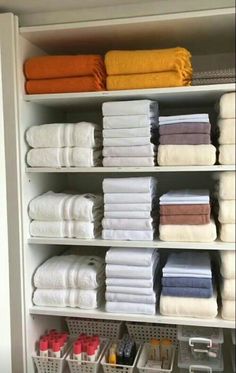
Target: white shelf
[216, 245]
[201, 95]
[217, 322]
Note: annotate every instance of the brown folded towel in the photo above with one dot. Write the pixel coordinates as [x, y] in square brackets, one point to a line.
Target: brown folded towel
[185, 209]
[169, 129]
[185, 219]
[185, 139]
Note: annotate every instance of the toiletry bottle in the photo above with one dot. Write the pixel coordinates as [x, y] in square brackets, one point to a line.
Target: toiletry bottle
[112, 356]
[155, 349]
[56, 349]
[84, 350]
[91, 355]
[77, 351]
[43, 348]
[50, 344]
[166, 349]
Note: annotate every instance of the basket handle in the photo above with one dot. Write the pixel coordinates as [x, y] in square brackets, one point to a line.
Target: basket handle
[207, 341]
[200, 368]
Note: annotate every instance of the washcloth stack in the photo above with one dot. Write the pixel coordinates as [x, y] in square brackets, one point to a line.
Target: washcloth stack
[155, 68]
[128, 208]
[70, 281]
[63, 74]
[227, 269]
[129, 133]
[131, 280]
[185, 140]
[185, 215]
[64, 145]
[187, 286]
[226, 125]
[217, 76]
[66, 215]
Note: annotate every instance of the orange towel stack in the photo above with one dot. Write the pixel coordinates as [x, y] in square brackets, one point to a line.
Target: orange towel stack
[63, 74]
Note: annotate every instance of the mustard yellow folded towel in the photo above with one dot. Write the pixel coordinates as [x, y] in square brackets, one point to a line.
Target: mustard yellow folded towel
[186, 155]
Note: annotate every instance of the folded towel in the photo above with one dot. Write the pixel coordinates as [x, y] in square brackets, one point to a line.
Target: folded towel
[189, 139]
[52, 206]
[130, 256]
[187, 209]
[227, 154]
[227, 131]
[64, 157]
[132, 298]
[134, 107]
[185, 118]
[127, 198]
[111, 234]
[228, 310]
[128, 206]
[227, 232]
[58, 135]
[188, 233]
[127, 214]
[188, 263]
[127, 132]
[129, 285]
[185, 127]
[60, 229]
[227, 106]
[189, 307]
[128, 161]
[70, 271]
[130, 308]
[185, 219]
[186, 155]
[129, 151]
[227, 267]
[86, 299]
[187, 282]
[128, 271]
[202, 196]
[130, 121]
[187, 292]
[128, 141]
[228, 289]
[226, 211]
[226, 185]
[129, 185]
[130, 224]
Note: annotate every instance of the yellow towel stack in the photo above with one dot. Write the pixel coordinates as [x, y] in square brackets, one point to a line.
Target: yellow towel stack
[157, 68]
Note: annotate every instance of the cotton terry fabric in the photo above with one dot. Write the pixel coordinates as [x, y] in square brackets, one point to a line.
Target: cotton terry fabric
[227, 232]
[228, 310]
[112, 198]
[129, 235]
[186, 155]
[185, 139]
[188, 209]
[226, 211]
[185, 128]
[227, 131]
[134, 107]
[128, 162]
[188, 233]
[228, 289]
[129, 185]
[130, 256]
[185, 219]
[187, 292]
[126, 307]
[131, 289]
[115, 284]
[227, 106]
[126, 141]
[135, 224]
[226, 188]
[186, 196]
[138, 151]
[187, 282]
[185, 118]
[133, 298]
[128, 206]
[227, 154]
[127, 214]
[130, 121]
[227, 266]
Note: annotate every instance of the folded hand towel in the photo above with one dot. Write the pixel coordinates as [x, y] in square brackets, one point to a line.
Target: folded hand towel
[226, 185]
[128, 271]
[190, 263]
[128, 141]
[127, 132]
[128, 161]
[227, 106]
[185, 139]
[127, 214]
[228, 310]
[187, 282]
[130, 224]
[191, 195]
[52, 206]
[188, 233]
[226, 211]
[111, 234]
[227, 154]
[130, 121]
[128, 206]
[130, 308]
[129, 185]
[126, 285]
[185, 127]
[132, 298]
[134, 107]
[185, 219]
[188, 307]
[188, 209]
[127, 198]
[185, 118]
[227, 232]
[129, 151]
[227, 131]
[187, 292]
[227, 267]
[130, 256]
[228, 289]
[186, 155]
[70, 271]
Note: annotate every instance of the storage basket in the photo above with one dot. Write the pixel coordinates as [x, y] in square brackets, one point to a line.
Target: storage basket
[104, 328]
[144, 358]
[49, 364]
[145, 332]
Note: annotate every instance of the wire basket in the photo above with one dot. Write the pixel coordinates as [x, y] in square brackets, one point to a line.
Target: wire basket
[144, 358]
[49, 364]
[145, 332]
[104, 328]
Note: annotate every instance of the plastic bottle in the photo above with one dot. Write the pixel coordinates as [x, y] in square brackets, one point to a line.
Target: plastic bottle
[43, 347]
[77, 351]
[112, 356]
[56, 349]
[84, 351]
[91, 354]
[166, 349]
[50, 344]
[155, 349]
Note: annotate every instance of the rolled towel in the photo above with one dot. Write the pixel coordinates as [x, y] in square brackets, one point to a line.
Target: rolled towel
[227, 106]
[227, 131]
[227, 154]
[129, 283]
[188, 233]
[129, 185]
[187, 292]
[131, 289]
[127, 132]
[187, 209]
[228, 289]
[145, 272]
[185, 219]
[52, 206]
[130, 121]
[64, 157]
[185, 128]
[127, 214]
[226, 186]
[226, 211]
[134, 107]
[190, 282]
[186, 155]
[228, 310]
[128, 162]
[227, 232]
[185, 139]
[111, 234]
[128, 206]
[130, 224]
[130, 308]
[126, 141]
[130, 256]
[58, 135]
[129, 151]
[132, 298]
[127, 198]
[227, 267]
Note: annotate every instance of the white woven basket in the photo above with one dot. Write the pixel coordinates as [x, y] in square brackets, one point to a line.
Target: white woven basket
[49, 364]
[104, 328]
[145, 332]
[144, 358]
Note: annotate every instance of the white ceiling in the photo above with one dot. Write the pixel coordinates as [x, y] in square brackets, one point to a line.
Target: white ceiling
[35, 6]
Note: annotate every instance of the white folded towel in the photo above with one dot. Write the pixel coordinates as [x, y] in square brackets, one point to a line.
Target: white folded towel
[129, 151]
[70, 271]
[58, 135]
[128, 162]
[86, 299]
[227, 267]
[226, 184]
[186, 155]
[227, 154]
[188, 233]
[131, 289]
[60, 229]
[130, 308]
[126, 132]
[226, 211]
[128, 206]
[52, 206]
[111, 234]
[228, 289]
[130, 224]
[133, 298]
[134, 107]
[227, 131]
[126, 141]
[188, 263]
[185, 196]
[131, 256]
[227, 105]
[127, 197]
[142, 286]
[187, 118]
[228, 310]
[129, 185]
[127, 214]
[129, 121]
[227, 232]
[64, 157]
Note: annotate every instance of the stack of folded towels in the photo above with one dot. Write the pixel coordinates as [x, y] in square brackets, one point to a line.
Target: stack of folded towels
[185, 215]
[63, 74]
[65, 145]
[70, 281]
[155, 68]
[131, 280]
[226, 125]
[185, 140]
[187, 286]
[217, 76]
[227, 269]
[129, 133]
[66, 215]
[128, 204]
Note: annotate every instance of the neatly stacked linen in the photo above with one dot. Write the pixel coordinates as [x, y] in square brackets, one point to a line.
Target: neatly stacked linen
[218, 76]
[62, 74]
[154, 68]
[185, 140]
[64, 145]
[185, 215]
[66, 215]
[129, 133]
[187, 286]
[128, 207]
[131, 280]
[226, 124]
[227, 269]
[70, 281]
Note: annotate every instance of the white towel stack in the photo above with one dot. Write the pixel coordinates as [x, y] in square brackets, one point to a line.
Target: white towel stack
[227, 269]
[66, 215]
[131, 280]
[128, 204]
[226, 125]
[129, 128]
[70, 281]
[64, 145]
